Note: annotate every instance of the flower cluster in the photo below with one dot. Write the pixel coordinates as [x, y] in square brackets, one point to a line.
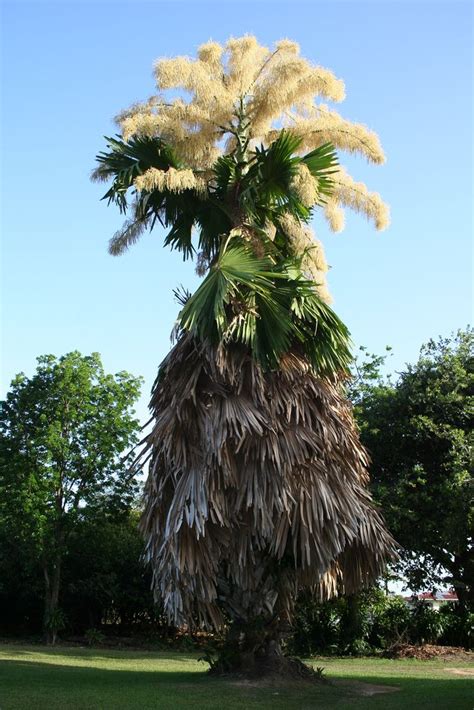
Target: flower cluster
[313, 261]
[355, 195]
[245, 89]
[305, 186]
[171, 179]
[266, 90]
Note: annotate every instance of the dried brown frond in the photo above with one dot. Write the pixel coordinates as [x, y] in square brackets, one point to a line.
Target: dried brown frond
[257, 485]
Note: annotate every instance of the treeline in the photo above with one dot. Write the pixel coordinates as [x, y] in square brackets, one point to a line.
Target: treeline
[70, 549]
[104, 583]
[106, 593]
[371, 622]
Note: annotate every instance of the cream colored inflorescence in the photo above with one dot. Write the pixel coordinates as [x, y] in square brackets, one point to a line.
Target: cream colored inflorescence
[355, 195]
[305, 186]
[274, 90]
[171, 179]
[313, 263]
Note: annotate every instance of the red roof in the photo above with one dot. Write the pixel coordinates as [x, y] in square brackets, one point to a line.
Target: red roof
[435, 596]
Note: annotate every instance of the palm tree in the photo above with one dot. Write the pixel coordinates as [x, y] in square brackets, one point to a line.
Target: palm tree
[257, 482]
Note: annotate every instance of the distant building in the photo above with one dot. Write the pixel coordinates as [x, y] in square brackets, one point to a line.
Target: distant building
[434, 599]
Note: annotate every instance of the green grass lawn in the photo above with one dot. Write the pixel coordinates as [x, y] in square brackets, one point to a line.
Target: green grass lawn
[40, 678]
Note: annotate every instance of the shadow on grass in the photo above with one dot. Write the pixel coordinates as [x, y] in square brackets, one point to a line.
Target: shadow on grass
[27, 684]
[422, 693]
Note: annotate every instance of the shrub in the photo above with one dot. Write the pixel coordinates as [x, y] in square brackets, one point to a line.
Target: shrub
[391, 622]
[316, 627]
[426, 624]
[458, 626]
[94, 637]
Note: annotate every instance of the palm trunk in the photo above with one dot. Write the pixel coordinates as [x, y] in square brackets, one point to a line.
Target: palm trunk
[255, 650]
[351, 622]
[252, 649]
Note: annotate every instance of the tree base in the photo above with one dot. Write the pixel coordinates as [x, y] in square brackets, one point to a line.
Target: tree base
[267, 662]
[282, 668]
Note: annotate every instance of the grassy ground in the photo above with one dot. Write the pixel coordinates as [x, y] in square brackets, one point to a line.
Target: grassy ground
[39, 678]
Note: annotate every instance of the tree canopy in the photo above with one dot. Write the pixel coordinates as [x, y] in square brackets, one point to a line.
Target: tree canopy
[241, 152]
[63, 433]
[418, 430]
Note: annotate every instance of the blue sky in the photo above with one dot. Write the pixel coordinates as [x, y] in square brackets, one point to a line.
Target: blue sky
[69, 67]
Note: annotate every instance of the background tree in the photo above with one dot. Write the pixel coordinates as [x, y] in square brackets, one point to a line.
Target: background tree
[105, 583]
[418, 430]
[257, 480]
[63, 432]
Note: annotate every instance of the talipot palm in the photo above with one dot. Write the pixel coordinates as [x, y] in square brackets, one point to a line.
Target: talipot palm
[257, 481]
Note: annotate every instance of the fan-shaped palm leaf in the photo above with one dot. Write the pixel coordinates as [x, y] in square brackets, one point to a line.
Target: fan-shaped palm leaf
[247, 299]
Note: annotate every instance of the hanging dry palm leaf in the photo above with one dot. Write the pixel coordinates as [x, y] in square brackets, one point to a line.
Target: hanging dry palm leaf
[257, 485]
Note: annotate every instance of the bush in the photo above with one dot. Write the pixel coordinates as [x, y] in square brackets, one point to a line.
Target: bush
[316, 627]
[94, 637]
[104, 581]
[458, 626]
[369, 621]
[390, 622]
[426, 624]
[340, 626]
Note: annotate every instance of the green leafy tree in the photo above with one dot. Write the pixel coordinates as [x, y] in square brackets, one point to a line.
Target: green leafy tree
[418, 430]
[63, 432]
[257, 481]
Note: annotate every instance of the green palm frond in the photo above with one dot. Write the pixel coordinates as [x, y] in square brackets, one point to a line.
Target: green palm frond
[123, 163]
[126, 160]
[262, 302]
[322, 163]
[205, 312]
[225, 172]
[273, 168]
[247, 299]
[262, 189]
[265, 189]
[325, 339]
